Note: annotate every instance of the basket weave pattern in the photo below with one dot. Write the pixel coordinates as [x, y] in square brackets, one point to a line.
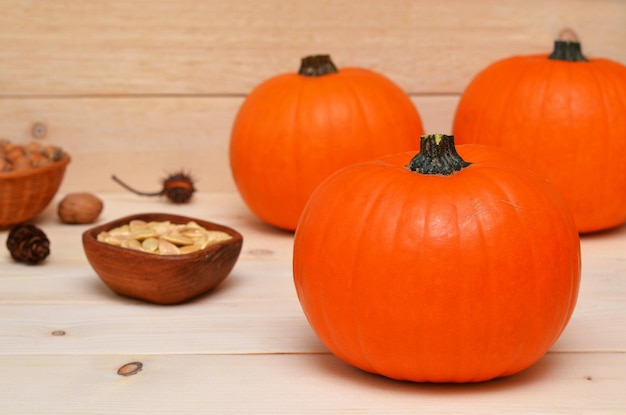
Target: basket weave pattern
[25, 193]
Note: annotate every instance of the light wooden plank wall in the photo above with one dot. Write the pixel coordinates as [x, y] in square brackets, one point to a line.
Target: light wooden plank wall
[141, 88]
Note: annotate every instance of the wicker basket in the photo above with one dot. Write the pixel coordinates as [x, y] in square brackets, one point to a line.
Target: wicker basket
[25, 193]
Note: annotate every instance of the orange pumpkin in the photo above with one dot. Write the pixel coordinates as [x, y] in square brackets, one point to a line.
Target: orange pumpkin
[294, 129]
[439, 271]
[565, 116]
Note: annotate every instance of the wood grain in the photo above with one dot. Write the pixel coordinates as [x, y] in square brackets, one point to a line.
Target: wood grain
[560, 383]
[65, 335]
[160, 47]
[143, 139]
[255, 310]
[144, 88]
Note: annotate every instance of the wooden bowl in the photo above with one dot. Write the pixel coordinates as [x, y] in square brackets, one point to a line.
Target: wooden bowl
[25, 193]
[161, 279]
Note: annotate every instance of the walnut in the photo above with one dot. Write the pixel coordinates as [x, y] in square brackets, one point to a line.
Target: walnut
[80, 208]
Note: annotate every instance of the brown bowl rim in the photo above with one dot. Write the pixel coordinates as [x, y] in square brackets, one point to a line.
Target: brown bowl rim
[90, 235]
[65, 159]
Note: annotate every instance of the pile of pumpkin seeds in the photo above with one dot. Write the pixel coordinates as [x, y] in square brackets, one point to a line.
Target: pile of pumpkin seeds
[163, 238]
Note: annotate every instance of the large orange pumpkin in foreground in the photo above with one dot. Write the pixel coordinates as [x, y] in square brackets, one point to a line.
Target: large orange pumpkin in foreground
[294, 129]
[564, 115]
[439, 271]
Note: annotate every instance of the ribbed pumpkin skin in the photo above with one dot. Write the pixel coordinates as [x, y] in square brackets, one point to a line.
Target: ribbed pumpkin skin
[566, 119]
[292, 131]
[459, 278]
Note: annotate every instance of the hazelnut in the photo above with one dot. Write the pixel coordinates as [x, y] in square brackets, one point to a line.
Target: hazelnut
[80, 208]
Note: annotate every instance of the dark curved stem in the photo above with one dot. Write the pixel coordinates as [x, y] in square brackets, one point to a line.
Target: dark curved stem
[567, 50]
[127, 187]
[437, 155]
[317, 65]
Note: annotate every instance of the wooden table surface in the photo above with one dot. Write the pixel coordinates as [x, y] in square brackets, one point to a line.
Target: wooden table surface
[246, 347]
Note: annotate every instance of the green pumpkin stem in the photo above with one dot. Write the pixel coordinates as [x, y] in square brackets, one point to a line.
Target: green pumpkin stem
[567, 47]
[437, 155]
[317, 65]
[567, 51]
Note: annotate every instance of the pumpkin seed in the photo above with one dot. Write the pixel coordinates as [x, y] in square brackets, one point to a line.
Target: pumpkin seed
[177, 239]
[137, 224]
[217, 236]
[167, 248]
[132, 244]
[187, 249]
[142, 234]
[150, 245]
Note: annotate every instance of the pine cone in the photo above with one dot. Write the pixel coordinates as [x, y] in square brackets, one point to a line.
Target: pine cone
[28, 244]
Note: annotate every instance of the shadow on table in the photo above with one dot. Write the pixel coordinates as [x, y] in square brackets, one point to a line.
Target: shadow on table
[536, 373]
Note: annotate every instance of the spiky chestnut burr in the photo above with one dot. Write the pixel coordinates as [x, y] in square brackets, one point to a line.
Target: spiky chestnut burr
[177, 187]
